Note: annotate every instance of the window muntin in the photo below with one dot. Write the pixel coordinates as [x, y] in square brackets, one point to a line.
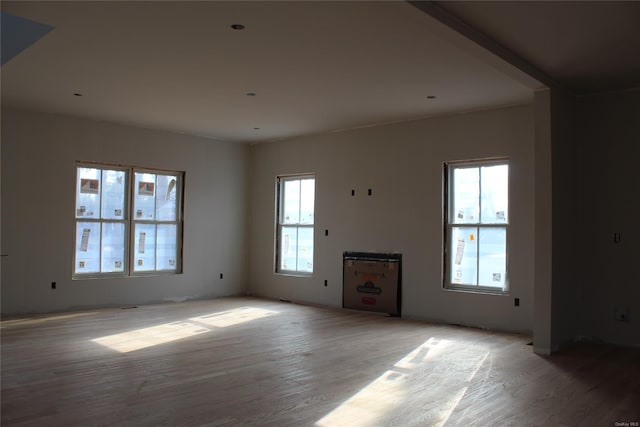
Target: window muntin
[294, 230]
[476, 225]
[112, 239]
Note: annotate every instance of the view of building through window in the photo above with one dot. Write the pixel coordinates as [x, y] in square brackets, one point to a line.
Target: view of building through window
[476, 223]
[127, 221]
[295, 207]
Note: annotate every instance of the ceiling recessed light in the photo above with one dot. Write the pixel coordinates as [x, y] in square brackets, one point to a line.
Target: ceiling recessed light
[250, 94]
[431, 97]
[77, 94]
[256, 128]
[237, 27]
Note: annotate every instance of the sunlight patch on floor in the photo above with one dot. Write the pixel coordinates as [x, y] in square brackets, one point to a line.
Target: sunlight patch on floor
[149, 337]
[403, 390]
[454, 401]
[233, 317]
[161, 334]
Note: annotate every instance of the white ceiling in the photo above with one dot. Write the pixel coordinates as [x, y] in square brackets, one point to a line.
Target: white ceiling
[314, 66]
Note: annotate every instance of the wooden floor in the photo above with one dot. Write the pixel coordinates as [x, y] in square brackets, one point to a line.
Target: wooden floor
[251, 362]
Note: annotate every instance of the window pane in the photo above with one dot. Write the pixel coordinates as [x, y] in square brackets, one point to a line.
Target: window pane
[466, 197]
[87, 247]
[291, 205]
[463, 259]
[166, 200]
[288, 248]
[305, 249]
[167, 247]
[493, 261]
[88, 193]
[113, 189]
[495, 193]
[144, 205]
[144, 248]
[307, 197]
[113, 242]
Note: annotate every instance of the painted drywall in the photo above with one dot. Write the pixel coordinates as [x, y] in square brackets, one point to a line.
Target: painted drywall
[565, 183]
[1, 253]
[402, 164]
[543, 224]
[39, 152]
[610, 186]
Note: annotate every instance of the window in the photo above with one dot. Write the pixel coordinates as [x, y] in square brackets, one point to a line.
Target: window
[128, 221]
[294, 230]
[476, 225]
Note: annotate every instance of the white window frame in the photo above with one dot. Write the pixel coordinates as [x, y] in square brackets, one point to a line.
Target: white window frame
[130, 221]
[449, 249]
[280, 223]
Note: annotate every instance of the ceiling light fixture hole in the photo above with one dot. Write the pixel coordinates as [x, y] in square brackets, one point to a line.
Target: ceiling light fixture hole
[431, 97]
[77, 94]
[238, 27]
[250, 94]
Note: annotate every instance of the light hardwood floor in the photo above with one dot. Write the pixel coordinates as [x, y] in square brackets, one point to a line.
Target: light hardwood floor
[252, 362]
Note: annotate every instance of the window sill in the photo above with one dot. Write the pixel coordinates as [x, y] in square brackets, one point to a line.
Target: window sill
[476, 290]
[294, 274]
[124, 276]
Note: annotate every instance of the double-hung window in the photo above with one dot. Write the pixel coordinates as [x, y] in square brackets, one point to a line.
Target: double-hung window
[476, 225]
[128, 221]
[294, 228]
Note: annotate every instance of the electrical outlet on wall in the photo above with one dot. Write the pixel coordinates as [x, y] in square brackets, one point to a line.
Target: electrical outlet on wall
[622, 314]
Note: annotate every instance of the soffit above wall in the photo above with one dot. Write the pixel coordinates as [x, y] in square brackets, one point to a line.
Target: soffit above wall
[587, 46]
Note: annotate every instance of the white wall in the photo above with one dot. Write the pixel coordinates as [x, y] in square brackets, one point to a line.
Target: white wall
[609, 137]
[402, 164]
[543, 224]
[565, 218]
[38, 186]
